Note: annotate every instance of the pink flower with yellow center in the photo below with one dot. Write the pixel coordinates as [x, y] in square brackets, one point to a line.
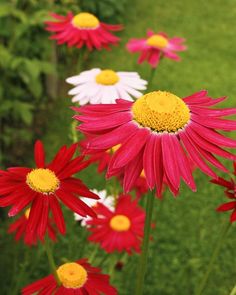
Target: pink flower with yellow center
[158, 133]
[76, 278]
[120, 229]
[83, 29]
[156, 46]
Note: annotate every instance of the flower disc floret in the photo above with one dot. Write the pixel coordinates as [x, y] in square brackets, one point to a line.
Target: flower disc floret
[72, 275]
[158, 41]
[120, 223]
[42, 181]
[85, 20]
[161, 111]
[107, 77]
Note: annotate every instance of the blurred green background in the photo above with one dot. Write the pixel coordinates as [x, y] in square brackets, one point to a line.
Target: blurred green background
[34, 104]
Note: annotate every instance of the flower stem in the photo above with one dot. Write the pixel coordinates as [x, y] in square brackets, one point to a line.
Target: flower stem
[215, 253]
[151, 76]
[144, 255]
[51, 261]
[233, 292]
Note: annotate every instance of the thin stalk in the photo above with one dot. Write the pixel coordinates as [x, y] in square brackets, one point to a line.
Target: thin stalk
[150, 79]
[51, 261]
[144, 255]
[233, 292]
[215, 253]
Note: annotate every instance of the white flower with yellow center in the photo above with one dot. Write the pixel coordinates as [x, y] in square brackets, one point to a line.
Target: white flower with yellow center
[106, 200]
[105, 86]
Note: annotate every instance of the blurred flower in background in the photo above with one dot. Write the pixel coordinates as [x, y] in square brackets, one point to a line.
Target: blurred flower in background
[76, 278]
[30, 237]
[106, 200]
[156, 46]
[230, 192]
[83, 29]
[105, 86]
[121, 229]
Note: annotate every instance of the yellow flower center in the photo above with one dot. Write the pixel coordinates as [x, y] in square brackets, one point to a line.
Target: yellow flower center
[120, 223]
[42, 181]
[72, 275]
[161, 111]
[107, 77]
[157, 41]
[27, 213]
[85, 20]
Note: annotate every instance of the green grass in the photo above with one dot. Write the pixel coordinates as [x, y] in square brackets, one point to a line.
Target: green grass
[186, 227]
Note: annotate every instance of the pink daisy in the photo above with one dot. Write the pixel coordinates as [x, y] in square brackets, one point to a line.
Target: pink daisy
[83, 29]
[156, 46]
[157, 133]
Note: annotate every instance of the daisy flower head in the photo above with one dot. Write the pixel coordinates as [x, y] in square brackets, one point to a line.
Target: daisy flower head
[44, 188]
[156, 46]
[158, 133]
[76, 278]
[118, 230]
[105, 86]
[230, 192]
[30, 238]
[106, 200]
[82, 29]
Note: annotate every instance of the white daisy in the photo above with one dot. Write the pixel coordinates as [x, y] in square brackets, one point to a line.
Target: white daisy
[105, 86]
[107, 201]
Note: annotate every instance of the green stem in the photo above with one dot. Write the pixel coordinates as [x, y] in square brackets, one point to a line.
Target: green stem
[144, 255]
[215, 253]
[150, 79]
[233, 292]
[94, 253]
[51, 261]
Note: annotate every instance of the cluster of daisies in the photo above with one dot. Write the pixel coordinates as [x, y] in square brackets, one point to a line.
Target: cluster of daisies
[146, 142]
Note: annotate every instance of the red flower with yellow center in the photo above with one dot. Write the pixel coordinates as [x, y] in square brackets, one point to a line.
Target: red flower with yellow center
[76, 278]
[83, 29]
[158, 133]
[118, 230]
[44, 188]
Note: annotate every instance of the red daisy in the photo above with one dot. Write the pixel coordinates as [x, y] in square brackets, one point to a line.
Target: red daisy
[77, 278]
[230, 193]
[82, 29]
[120, 230]
[44, 187]
[157, 133]
[30, 238]
[156, 46]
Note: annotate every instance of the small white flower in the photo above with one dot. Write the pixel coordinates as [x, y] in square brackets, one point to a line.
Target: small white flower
[105, 86]
[107, 201]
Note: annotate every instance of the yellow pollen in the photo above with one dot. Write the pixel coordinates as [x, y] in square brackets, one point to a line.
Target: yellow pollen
[157, 41]
[107, 77]
[42, 181]
[72, 275]
[27, 213]
[161, 111]
[143, 174]
[120, 223]
[113, 149]
[85, 20]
